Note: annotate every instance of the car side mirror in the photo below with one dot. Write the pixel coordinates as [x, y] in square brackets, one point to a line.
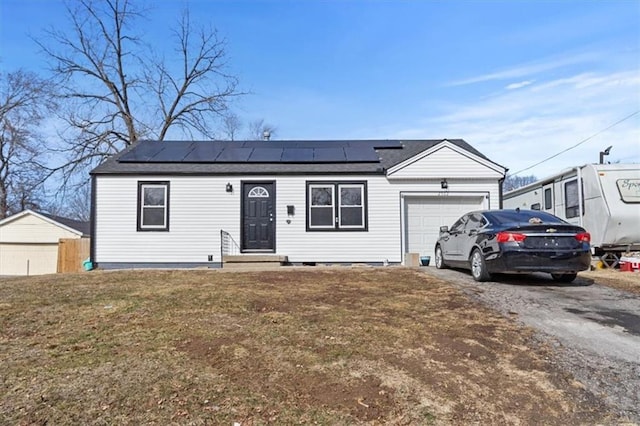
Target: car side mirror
[473, 232]
[444, 229]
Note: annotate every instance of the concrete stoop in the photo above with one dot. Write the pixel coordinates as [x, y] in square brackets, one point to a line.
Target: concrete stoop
[253, 261]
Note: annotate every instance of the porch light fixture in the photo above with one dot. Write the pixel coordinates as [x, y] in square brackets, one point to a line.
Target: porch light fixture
[444, 184]
[229, 187]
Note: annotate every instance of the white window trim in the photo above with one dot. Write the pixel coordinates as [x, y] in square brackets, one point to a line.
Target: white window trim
[333, 205]
[143, 187]
[360, 186]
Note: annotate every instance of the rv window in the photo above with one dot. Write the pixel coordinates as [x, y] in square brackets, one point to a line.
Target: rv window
[547, 199]
[535, 206]
[629, 190]
[571, 199]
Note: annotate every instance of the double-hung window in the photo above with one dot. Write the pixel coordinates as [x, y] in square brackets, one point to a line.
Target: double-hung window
[333, 206]
[153, 206]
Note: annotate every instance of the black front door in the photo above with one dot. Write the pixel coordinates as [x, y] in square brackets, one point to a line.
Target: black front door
[258, 216]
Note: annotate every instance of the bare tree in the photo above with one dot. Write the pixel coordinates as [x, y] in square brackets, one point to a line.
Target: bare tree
[77, 205]
[513, 182]
[231, 125]
[25, 99]
[117, 89]
[258, 129]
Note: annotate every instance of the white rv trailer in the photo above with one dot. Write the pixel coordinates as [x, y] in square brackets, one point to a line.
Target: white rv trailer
[602, 198]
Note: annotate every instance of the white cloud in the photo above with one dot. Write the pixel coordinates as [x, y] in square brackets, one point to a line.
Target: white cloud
[514, 86]
[529, 69]
[518, 128]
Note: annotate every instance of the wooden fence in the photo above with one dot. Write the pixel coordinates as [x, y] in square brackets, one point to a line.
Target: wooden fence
[71, 253]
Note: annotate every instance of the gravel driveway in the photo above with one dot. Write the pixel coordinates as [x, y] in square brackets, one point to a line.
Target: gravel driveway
[595, 328]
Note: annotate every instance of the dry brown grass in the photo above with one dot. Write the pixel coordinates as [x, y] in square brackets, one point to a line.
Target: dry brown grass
[299, 346]
[627, 281]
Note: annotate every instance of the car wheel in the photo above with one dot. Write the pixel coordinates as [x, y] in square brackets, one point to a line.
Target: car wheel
[564, 278]
[479, 267]
[439, 259]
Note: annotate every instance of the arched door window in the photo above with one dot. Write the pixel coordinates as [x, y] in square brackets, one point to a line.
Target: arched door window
[258, 192]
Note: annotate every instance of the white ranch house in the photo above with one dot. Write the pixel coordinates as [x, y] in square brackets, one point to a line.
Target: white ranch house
[188, 204]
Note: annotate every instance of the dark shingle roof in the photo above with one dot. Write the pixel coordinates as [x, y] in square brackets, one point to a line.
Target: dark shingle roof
[78, 225]
[145, 158]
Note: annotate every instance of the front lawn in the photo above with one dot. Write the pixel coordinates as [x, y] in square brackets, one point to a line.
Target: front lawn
[296, 346]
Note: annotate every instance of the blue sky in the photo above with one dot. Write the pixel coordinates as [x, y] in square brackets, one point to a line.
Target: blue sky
[519, 80]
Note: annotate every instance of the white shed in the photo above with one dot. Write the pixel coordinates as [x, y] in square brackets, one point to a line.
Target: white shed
[29, 242]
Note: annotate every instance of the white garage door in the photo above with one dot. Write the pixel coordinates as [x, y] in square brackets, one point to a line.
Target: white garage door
[425, 215]
[28, 259]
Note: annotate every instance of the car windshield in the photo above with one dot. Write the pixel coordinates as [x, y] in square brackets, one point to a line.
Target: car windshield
[522, 216]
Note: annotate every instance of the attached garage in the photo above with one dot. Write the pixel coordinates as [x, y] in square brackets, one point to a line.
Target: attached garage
[455, 181]
[29, 242]
[425, 214]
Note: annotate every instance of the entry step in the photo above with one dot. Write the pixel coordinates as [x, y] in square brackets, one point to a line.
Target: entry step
[256, 258]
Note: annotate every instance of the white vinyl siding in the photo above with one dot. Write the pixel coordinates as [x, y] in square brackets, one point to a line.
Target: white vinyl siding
[446, 162]
[200, 208]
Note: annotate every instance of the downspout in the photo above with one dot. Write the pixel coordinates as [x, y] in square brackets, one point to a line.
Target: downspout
[580, 195]
[501, 190]
[92, 224]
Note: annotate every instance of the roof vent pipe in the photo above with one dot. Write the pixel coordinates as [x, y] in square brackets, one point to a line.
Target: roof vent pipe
[603, 153]
[266, 135]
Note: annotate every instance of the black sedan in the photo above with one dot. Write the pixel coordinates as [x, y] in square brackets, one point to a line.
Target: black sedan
[514, 241]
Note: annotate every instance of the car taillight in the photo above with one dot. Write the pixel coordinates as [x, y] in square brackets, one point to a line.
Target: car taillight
[507, 237]
[584, 237]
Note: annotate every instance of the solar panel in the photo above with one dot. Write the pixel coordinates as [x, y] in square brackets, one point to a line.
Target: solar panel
[173, 152]
[203, 152]
[233, 155]
[297, 155]
[256, 151]
[383, 144]
[142, 152]
[361, 154]
[263, 144]
[329, 155]
[265, 155]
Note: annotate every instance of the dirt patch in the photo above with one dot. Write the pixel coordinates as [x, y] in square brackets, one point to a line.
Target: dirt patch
[622, 280]
[305, 345]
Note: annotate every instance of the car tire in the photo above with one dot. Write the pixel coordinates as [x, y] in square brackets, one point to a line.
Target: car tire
[564, 278]
[479, 270]
[439, 260]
